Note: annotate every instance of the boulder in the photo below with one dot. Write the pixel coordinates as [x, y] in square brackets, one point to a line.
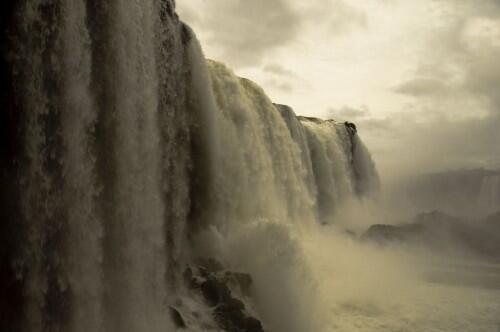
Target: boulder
[224, 291]
[230, 316]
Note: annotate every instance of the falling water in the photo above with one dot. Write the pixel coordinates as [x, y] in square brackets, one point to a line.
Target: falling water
[97, 88]
[123, 145]
[78, 116]
[275, 177]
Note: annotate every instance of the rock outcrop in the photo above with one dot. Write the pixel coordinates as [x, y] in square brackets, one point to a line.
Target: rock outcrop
[226, 293]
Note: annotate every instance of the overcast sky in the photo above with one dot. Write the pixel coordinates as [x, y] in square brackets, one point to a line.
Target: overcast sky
[421, 78]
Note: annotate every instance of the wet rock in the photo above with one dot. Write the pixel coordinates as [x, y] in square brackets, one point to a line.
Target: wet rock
[234, 304]
[253, 325]
[176, 317]
[225, 292]
[230, 317]
[351, 127]
[194, 280]
[215, 291]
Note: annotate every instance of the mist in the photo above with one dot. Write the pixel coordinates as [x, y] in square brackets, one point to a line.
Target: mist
[370, 288]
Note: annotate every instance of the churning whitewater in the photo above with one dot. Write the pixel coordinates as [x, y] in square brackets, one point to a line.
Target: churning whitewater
[127, 157]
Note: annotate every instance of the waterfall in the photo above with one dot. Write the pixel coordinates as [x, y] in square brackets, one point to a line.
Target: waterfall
[259, 173]
[99, 94]
[274, 165]
[78, 116]
[367, 181]
[123, 148]
[275, 177]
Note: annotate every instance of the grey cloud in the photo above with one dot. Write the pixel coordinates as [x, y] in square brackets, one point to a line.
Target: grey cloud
[485, 8]
[380, 126]
[423, 87]
[431, 137]
[279, 70]
[451, 51]
[282, 85]
[245, 31]
[349, 113]
[483, 76]
[189, 14]
[280, 77]
[338, 16]
[346, 17]
[401, 144]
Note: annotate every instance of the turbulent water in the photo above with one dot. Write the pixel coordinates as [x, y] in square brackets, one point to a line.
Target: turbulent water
[125, 155]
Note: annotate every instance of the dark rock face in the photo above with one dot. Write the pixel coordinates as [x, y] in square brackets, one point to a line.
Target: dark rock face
[231, 317]
[224, 291]
[351, 127]
[215, 291]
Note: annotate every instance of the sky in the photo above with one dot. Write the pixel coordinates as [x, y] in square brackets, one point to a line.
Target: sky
[421, 79]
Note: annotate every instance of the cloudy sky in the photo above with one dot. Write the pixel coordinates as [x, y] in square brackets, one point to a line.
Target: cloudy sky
[420, 78]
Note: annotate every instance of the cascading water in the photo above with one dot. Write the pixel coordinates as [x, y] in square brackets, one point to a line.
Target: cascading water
[99, 165]
[260, 173]
[275, 178]
[123, 149]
